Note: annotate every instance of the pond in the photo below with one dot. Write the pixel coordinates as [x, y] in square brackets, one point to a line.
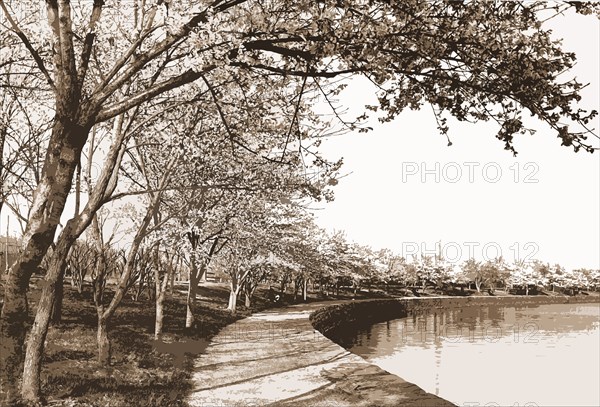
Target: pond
[544, 355]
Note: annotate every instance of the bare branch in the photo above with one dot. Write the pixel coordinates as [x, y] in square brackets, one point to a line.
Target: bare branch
[36, 56]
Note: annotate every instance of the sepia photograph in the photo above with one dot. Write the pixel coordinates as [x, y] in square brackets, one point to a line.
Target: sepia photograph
[304, 203]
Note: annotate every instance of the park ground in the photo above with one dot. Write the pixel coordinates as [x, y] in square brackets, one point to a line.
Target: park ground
[143, 371]
[149, 372]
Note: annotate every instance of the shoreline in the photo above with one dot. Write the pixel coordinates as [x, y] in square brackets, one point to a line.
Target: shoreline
[338, 319]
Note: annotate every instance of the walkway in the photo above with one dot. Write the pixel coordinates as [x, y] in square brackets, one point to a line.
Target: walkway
[276, 358]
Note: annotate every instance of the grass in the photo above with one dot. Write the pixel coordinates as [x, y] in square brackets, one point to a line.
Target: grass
[143, 372]
[151, 373]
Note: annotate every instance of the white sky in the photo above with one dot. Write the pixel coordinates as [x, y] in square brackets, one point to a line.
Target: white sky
[557, 218]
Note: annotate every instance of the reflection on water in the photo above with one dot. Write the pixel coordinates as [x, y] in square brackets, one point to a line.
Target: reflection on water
[546, 355]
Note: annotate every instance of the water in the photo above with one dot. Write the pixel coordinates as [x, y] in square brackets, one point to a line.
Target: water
[546, 355]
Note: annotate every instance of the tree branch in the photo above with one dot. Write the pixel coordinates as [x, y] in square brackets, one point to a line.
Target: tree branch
[38, 60]
[89, 42]
[135, 100]
[65, 26]
[312, 74]
[265, 45]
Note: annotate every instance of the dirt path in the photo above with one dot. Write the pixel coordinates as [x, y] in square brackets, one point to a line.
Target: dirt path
[277, 358]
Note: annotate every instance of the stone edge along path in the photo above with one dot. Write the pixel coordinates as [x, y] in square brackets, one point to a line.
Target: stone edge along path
[277, 358]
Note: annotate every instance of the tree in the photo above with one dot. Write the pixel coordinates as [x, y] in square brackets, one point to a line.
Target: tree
[79, 264]
[524, 275]
[491, 272]
[556, 276]
[299, 250]
[107, 262]
[250, 239]
[257, 274]
[427, 270]
[473, 272]
[164, 268]
[458, 276]
[392, 268]
[99, 62]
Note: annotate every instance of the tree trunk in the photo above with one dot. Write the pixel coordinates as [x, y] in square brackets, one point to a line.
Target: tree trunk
[30, 390]
[140, 289]
[55, 274]
[72, 278]
[62, 155]
[231, 300]
[478, 286]
[305, 289]
[282, 288]
[232, 304]
[13, 326]
[58, 299]
[80, 286]
[296, 288]
[104, 352]
[191, 299]
[158, 324]
[235, 300]
[151, 291]
[248, 301]
[104, 315]
[195, 276]
[161, 291]
[172, 284]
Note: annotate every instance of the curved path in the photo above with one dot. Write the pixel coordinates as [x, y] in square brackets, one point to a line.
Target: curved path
[277, 358]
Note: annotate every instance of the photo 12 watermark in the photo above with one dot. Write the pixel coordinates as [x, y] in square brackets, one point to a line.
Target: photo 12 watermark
[469, 172]
[422, 332]
[459, 252]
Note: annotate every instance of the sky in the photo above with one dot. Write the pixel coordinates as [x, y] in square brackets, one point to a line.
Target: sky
[543, 204]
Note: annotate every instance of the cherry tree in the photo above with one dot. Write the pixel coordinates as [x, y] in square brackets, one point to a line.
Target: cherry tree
[251, 237]
[474, 272]
[164, 268]
[556, 276]
[392, 268]
[79, 263]
[492, 272]
[524, 275]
